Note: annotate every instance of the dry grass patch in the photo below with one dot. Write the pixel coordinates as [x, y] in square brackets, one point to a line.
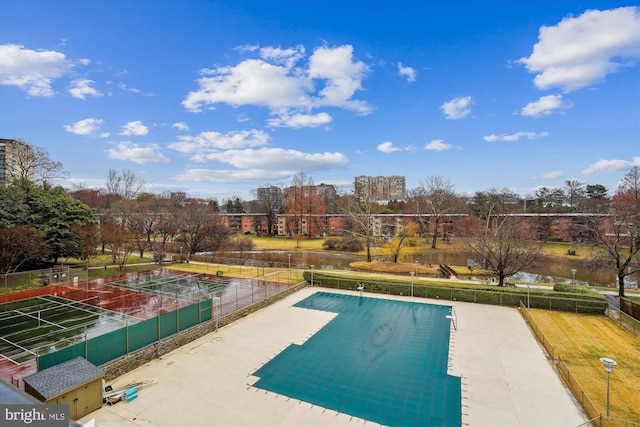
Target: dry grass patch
[581, 340]
[408, 267]
[271, 274]
[275, 243]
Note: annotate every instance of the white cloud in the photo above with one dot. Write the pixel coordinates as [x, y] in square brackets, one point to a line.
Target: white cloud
[136, 153]
[580, 51]
[230, 175]
[247, 48]
[281, 159]
[282, 86]
[437, 145]
[408, 72]
[515, 136]
[124, 87]
[85, 126]
[287, 57]
[544, 106]
[552, 174]
[207, 142]
[81, 88]
[264, 164]
[135, 128]
[388, 147]
[300, 120]
[611, 166]
[457, 108]
[252, 82]
[180, 126]
[342, 75]
[32, 70]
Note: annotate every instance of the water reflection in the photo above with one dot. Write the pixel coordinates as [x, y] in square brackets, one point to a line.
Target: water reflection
[545, 270]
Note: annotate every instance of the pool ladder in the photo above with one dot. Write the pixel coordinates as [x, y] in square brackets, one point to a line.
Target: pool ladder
[454, 318]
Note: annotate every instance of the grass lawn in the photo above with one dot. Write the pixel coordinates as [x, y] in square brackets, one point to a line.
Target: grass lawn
[581, 340]
[280, 275]
[275, 243]
[633, 298]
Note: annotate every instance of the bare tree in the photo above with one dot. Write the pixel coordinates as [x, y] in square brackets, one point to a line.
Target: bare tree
[120, 241]
[503, 252]
[34, 164]
[616, 237]
[402, 240]
[86, 240]
[271, 202]
[200, 229]
[433, 199]
[20, 244]
[575, 192]
[631, 183]
[125, 185]
[493, 202]
[360, 209]
[303, 203]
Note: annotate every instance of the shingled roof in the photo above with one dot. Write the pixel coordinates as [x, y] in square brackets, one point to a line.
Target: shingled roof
[61, 378]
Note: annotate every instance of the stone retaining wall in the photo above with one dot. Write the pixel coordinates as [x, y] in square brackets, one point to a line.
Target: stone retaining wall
[131, 361]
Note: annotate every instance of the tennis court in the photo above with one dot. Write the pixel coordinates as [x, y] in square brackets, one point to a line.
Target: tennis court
[391, 367]
[40, 325]
[58, 318]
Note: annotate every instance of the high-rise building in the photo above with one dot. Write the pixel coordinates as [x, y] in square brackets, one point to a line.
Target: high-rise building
[12, 154]
[382, 189]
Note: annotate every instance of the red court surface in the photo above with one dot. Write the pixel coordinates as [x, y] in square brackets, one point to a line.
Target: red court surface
[106, 294]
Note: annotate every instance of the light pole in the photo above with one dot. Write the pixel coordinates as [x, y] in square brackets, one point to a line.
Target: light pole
[412, 276]
[289, 256]
[312, 266]
[528, 287]
[608, 364]
[216, 302]
[573, 276]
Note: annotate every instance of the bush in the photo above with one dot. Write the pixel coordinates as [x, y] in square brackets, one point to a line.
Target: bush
[575, 300]
[331, 244]
[346, 244]
[564, 287]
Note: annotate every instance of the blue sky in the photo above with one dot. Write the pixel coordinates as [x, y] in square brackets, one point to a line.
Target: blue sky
[219, 98]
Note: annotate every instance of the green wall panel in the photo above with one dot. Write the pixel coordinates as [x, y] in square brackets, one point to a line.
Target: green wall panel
[143, 333]
[168, 324]
[107, 347]
[188, 316]
[51, 359]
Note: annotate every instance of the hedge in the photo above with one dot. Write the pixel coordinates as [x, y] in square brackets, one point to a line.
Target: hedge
[573, 300]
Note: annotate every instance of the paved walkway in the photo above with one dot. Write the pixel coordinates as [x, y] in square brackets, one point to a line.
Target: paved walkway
[506, 378]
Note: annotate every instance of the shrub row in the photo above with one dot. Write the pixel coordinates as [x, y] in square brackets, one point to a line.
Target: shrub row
[576, 300]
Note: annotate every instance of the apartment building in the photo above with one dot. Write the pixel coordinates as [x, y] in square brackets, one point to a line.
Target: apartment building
[11, 151]
[382, 189]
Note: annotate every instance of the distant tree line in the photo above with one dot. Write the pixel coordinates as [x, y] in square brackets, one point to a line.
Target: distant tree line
[39, 222]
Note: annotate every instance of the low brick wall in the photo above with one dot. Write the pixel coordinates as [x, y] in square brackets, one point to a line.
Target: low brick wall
[118, 367]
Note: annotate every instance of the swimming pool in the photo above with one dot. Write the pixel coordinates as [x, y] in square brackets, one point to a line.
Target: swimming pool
[379, 360]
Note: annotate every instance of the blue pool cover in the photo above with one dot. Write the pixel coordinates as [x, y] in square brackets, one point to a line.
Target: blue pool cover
[380, 360]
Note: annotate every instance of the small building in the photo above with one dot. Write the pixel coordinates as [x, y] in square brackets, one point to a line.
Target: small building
[77, 383]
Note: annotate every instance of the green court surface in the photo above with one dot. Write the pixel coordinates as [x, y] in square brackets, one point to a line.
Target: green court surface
[48, 323]
[380, 360]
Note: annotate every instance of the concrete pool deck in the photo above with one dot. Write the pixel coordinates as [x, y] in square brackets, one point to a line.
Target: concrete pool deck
[506, 378]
